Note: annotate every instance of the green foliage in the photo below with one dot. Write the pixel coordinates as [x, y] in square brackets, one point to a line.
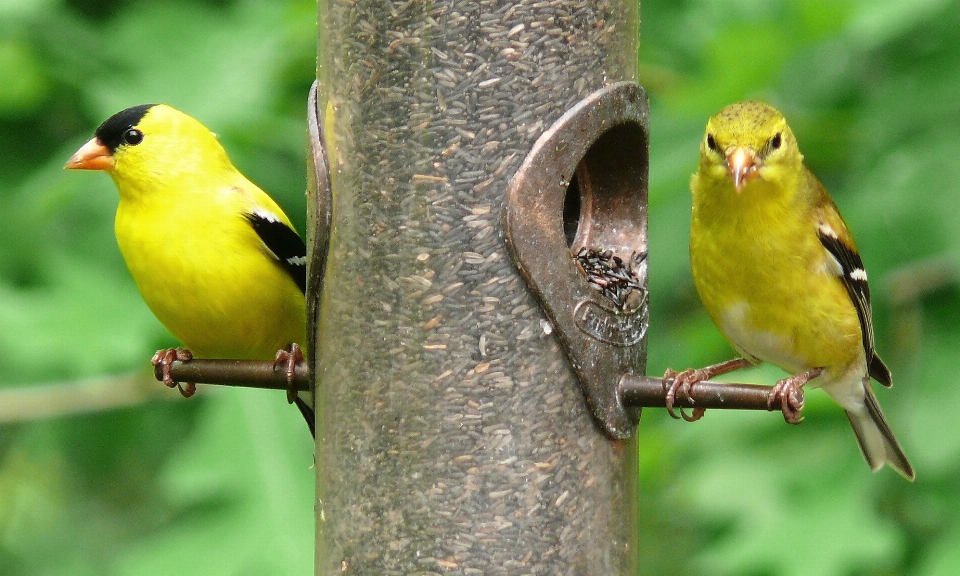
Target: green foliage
[871, 89]
[221, 484]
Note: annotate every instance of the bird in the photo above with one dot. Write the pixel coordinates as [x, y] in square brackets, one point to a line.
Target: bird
[215, 258]
[779, 273]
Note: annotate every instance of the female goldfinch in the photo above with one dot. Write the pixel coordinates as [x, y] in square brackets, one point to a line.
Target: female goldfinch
[779, 273]
[214, 257]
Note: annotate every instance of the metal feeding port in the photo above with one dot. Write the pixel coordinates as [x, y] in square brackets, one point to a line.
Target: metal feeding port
[575, 223]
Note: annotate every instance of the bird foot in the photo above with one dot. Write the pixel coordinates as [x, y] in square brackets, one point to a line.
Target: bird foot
[789, 394]
[679, 385]
[289, 359]
[165, 359]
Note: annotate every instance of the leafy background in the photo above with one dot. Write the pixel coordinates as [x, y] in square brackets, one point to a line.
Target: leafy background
[104, 472]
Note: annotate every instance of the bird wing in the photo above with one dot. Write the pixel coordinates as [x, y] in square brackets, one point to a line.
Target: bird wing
[837, 240]
[283, 242]
[291, 253]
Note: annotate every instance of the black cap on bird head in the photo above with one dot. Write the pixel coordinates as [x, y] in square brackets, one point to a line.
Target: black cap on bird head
[98, 152]
[111, 132]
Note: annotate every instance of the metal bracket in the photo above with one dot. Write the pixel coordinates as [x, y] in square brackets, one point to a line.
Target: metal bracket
[319, 214]
[590, 168]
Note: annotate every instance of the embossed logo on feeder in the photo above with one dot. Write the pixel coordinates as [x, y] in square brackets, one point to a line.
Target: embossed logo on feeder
[615, 327]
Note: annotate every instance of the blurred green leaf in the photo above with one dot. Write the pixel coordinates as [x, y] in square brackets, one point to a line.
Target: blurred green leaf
[223, 480]
[237, 513]
[222, 483]
[876, 22]
[25, 84]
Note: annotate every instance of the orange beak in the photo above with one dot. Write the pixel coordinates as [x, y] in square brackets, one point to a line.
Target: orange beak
[742, 165]
[91, 156]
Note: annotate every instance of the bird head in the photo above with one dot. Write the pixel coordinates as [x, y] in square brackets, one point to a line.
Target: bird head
[745, 142]
[149, 142]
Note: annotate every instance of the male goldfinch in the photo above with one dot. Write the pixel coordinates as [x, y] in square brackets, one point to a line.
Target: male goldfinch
[214, 257]
[779, 273]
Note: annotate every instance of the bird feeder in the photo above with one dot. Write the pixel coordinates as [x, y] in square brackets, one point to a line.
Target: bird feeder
[453, 433]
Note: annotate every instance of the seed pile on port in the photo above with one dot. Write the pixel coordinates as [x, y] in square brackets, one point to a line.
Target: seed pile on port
[611, 276]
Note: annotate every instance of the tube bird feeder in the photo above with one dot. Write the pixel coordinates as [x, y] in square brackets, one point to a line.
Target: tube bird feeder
[453, 433]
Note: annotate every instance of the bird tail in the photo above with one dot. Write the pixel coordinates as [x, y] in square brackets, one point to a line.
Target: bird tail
[876, 440]
[307, 412]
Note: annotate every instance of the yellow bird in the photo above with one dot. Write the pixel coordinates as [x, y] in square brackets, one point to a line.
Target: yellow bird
[214, 257]
[779, 273]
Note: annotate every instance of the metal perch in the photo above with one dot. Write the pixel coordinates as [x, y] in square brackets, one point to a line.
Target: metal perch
[635, 391]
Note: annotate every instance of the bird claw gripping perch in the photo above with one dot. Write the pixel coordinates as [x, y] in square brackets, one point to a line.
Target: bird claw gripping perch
[165, 359]
[682, 383]
[789, 393]
[288, 359]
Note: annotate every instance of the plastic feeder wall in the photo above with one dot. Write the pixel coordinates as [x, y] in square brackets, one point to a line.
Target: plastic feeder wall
[455, 434]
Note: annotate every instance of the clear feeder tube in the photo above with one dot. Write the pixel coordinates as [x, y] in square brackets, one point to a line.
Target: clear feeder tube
[453, 436]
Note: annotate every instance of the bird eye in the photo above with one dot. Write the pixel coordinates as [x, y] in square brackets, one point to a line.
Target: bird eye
[132, 137]
[712, 143]
[775, 141]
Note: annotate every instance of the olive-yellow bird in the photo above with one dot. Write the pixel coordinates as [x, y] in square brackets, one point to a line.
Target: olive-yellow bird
[214, 257]
[779, 273]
